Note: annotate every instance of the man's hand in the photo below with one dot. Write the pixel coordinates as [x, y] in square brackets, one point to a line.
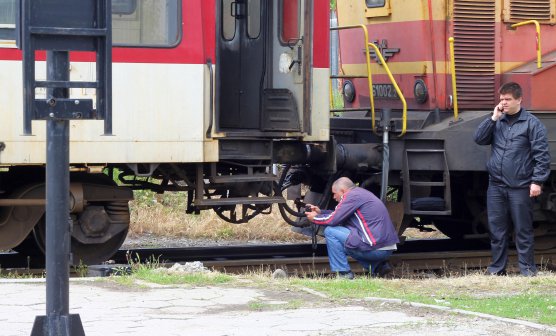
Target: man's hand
[311, 215]
[314, 211]
[498, 112]
[534, 190]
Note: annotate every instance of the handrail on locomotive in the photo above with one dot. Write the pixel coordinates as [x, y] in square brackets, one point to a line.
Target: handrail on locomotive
[451, 41]
[369, 76]
[537, 36]
[393, 80]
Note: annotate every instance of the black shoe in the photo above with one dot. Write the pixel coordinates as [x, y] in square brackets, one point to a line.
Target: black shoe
[346, 275]
[382, 270]
[499, 273]
[385, 269]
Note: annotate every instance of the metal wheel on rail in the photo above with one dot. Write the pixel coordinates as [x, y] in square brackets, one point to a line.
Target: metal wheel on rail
[87, 254]
[98, 229]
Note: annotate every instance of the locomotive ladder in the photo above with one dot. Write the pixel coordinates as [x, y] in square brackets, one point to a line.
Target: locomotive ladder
[419, 168]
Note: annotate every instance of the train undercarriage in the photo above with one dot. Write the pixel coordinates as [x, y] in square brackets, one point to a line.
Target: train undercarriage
[439, 163]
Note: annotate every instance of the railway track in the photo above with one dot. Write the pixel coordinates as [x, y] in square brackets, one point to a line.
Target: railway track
[405, 264]
[299, 259]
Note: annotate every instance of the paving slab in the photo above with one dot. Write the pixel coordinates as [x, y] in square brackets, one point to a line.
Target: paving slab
[107, 308]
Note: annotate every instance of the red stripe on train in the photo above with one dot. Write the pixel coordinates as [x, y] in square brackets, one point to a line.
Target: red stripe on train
[321, 34]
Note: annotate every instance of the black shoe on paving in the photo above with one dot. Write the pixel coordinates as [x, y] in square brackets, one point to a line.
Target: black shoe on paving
[346, 275]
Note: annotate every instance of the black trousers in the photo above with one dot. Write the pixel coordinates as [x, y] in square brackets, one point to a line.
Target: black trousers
[507, 205]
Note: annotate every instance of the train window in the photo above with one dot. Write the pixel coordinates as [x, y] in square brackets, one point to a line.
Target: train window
[253, 18]
[136, 23]
[375, 3]
[151, 23]
[7, 19]
[377, 8]
[289, 21]
[228, 20]
[124, 7]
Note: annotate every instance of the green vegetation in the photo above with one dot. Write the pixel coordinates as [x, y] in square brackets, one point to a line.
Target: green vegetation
[532, 299]
[15, 274]
[152, 271]
[261, 305]
[166, 278]
[532, 307]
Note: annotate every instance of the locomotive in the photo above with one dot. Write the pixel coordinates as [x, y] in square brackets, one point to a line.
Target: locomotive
[210, 96]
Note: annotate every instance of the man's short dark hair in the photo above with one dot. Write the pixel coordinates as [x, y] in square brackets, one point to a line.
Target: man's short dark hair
[343, 183]
[512, 88]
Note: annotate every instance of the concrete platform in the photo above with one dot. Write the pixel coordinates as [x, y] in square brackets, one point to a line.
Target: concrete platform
[108, 308]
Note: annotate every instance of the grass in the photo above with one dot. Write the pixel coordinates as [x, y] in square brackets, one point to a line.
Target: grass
[194, 279]
[152, 271]
[24, 275]
[532, 299]
[261, 305]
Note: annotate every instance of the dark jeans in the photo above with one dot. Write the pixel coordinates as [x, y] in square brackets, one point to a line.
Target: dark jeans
[336, 237]
[506, 205]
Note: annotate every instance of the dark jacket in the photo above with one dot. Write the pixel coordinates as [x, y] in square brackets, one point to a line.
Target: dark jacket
[519, 154]
[365, 216]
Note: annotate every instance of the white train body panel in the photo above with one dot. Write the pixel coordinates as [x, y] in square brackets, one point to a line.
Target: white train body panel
[152, 122]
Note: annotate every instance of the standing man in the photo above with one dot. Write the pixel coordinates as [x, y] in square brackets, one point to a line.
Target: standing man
[518, 166]
[360, 227]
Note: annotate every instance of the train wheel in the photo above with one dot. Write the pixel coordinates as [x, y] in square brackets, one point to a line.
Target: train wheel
[88, 254]
[100, 228]
[29, 247]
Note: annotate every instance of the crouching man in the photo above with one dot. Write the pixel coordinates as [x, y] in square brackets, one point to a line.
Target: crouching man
[359, 227]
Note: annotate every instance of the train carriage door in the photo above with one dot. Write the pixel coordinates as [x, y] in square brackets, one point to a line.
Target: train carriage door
[240, 64]
[259, 66]
[289, 72]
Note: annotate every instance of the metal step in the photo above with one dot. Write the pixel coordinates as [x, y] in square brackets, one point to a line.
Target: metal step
[239, 200]
[421, 212]
[422, 160]
[242, 178]
[428, 150]
[427, 184]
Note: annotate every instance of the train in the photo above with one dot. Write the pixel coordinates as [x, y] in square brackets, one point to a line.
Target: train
[253, 106]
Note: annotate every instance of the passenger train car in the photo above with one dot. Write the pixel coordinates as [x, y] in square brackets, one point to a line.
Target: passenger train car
[210, 96]
[204, 94]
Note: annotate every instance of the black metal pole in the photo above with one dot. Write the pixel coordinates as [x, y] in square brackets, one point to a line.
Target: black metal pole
[57, 204]
[58, 321]
[385, 154]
